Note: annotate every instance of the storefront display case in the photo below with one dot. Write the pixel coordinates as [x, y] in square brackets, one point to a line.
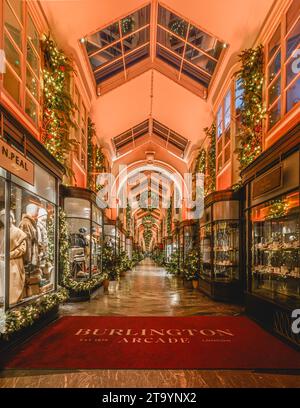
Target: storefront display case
[220, 246]
[29, 182]
[85, 226]
[273, 228]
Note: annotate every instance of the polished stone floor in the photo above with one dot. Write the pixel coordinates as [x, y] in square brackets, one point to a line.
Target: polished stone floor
[149, 291]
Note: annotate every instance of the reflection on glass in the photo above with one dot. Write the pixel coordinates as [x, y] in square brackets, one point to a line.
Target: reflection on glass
[227, 115]
[108, 55]
[274, 90]
[12, 55]
[32, 59]
[167, 57]
[31, 83]
[137, 39]
[135, 21]
[170, 41]
[12, 84]
[137, 56]
[274, 114]
[33, 34]
[193, 72]
[96, 245]
[292, 14]
[293, 39]
[206, 251]
[12, 25]
[291, 72]
[102, 38]
[32, 245]
[226, 250]
[2, 243]
[31, 108]
[201, 60]
[80, 250]
[275, 248]
[293, 95]
[172, 22]
[274, 67]
[109, 71]
[220, 122]
[204, 41]
[274, 44]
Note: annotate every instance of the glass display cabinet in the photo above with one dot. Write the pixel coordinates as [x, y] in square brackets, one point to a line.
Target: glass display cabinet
[220, 272]
[275, 248]
[272, 218]
[226, 250]
[85, 227]
[29, 202]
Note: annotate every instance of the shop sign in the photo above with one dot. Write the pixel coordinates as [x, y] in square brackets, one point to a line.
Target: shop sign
[267, 183]
[16, 163]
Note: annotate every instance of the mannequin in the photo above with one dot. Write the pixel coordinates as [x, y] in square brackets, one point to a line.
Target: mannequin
[16, 263]
[43, 241]
[28, 225]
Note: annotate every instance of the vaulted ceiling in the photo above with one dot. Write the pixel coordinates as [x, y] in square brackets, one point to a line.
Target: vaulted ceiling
[154, 92]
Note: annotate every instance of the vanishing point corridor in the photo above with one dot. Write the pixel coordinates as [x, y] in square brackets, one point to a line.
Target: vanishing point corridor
[148, 290]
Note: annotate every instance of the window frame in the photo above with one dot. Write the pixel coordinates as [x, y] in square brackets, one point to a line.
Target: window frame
[80, 131]
[25, 94]
[222, 145]
[282, 73]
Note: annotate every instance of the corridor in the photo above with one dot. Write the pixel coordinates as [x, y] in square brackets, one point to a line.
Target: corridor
[148, 290]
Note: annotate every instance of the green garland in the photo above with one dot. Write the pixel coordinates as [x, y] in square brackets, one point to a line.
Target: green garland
[253, 110]
[169, 218]
[96, 159]
[58, 107]
[67, 280]
[91, 133]
[191, 265]
[26, 316]
[210, 180]
[128, 220]
[200, 166]
[172, 266]
[109, 262]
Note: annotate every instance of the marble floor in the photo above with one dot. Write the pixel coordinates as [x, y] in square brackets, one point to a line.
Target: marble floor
[149, 291]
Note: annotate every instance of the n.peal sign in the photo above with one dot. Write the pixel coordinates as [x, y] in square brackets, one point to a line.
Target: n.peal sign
[16, 163]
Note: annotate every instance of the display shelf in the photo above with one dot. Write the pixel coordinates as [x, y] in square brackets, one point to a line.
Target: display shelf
[275, 246]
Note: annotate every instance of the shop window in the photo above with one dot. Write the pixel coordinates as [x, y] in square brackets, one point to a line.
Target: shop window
[32, 244]
[22, 51]
[283, 71]
[275, 248]
[80, 130]
[2, 243]
[224, 131]
[12, 84]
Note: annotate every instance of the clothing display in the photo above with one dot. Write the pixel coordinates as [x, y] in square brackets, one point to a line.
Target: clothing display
[17, 271]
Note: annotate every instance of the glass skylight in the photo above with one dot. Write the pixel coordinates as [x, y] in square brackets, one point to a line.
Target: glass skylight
[186, 47]
[119, 45]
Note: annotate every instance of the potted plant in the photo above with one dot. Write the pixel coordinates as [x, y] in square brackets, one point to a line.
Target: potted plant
[108, 265]
[191, 268]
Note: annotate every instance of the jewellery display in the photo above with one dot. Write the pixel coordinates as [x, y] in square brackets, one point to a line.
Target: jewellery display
[226, 249]
[275, 248]
[206, 250]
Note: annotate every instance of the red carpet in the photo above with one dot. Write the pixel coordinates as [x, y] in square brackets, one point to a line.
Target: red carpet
[154, 343]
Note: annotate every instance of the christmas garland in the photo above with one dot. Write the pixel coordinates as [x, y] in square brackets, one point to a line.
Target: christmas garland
[128, 220]
[169, 218]
[191, 265]
[253, 110]
[26, 316]
[200, 166]
[96, 159]
[67, 280]
[210, 180]
[58, 107]
[172, 266]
